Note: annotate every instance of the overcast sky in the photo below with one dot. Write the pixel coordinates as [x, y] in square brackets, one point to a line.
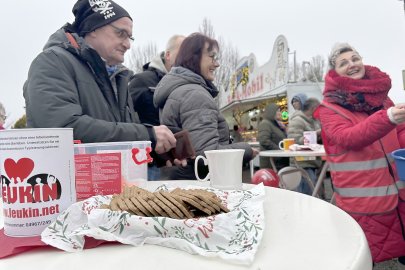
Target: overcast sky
[375, 27]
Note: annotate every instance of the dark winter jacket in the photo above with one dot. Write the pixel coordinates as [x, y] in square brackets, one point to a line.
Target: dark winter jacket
[70, 87]
[142, 88]
[187, 102]
[269, 136]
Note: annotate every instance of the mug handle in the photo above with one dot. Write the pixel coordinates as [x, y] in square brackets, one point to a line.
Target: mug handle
[196, 168]
[279, 145]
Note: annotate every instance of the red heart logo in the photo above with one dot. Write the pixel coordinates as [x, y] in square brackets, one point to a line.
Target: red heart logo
[21, 169]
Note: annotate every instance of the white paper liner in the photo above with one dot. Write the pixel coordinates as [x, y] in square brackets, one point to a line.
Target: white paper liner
[313, 147]
[234, 236]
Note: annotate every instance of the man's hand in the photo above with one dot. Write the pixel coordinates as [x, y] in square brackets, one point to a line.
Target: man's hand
[255, 152]
[164, 139]
[177, 162]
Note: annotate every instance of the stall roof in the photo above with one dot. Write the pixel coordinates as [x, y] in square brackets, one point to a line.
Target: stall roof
[246, 104]
[289, 90]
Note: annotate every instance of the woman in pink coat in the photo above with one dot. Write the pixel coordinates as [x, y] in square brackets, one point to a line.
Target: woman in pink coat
[361, 127]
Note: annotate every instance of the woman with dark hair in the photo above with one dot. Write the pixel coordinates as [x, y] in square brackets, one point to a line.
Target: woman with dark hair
[361, 127]
[185, 98]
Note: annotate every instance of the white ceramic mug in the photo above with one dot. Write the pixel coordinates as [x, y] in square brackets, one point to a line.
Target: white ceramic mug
[225, 168]
[309, 137]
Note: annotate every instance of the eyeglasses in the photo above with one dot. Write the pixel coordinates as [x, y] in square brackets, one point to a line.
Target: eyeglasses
[214, 58]
[121, 33]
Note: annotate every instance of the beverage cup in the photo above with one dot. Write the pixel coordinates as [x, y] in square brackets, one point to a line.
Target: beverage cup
[225, 168]
[285, 144]
[399, 157]
[309, 137]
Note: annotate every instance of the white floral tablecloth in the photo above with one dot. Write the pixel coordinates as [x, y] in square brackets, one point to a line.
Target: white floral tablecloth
[233, 236]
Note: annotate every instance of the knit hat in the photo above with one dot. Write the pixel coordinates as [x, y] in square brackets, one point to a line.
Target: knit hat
[93, 14]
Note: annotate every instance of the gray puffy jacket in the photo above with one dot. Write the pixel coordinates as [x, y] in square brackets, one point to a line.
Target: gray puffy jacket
[186, 101]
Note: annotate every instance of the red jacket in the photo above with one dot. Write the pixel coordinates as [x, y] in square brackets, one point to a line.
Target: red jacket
[365, 179]
[342, 135]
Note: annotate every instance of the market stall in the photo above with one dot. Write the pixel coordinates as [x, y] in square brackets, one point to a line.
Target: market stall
[253, 87]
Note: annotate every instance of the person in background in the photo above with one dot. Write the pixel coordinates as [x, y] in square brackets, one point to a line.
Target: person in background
[185, 97]
[78, 80]
[361, 127]
[142, 87]
[3, 116]
[300, 121]
[270, 132]
[298, 101]
[236, 136]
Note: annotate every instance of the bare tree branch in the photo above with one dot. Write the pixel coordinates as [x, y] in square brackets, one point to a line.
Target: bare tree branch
[313, 71]
[228, 57]
[138, 56]
[318, 67]
[206, 28]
